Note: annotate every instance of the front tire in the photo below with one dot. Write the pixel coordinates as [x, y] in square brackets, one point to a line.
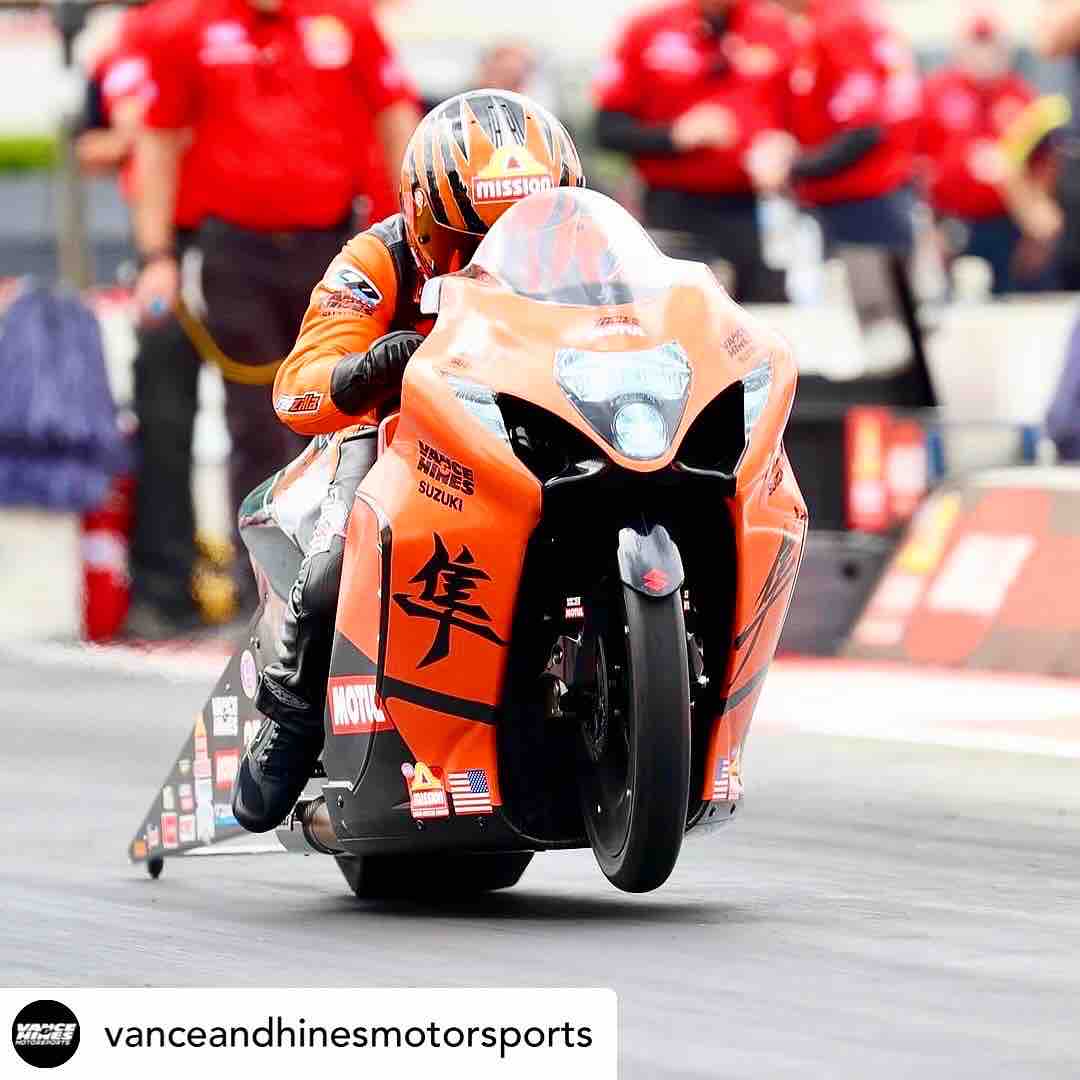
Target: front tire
[635, 775]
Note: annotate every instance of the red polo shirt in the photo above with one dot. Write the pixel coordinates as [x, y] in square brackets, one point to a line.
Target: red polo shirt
[963, 121]
[123, 73]
[276, 103]
[853, 71]
[667, 61]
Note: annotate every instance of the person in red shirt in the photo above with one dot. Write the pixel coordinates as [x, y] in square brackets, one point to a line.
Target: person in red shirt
[687, 93]
[970, 105]
[166, 367]
[855, 102]
[275, 97]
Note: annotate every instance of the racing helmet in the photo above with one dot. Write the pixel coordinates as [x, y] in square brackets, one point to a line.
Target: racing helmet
[471, 159]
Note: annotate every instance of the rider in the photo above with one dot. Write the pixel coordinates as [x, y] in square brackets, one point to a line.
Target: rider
[470, 160]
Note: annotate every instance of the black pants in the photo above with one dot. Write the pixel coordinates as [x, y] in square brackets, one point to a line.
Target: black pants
[256, 286]
[307, 635]
[710, 227]
[166, 399]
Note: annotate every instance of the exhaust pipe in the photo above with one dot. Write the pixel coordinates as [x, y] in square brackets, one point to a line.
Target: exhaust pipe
[309, 828]
[318, 829]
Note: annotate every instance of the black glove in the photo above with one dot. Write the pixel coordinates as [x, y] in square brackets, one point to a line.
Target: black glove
[361, 381]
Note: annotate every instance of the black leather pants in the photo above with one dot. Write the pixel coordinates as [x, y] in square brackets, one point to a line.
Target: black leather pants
[294, 688]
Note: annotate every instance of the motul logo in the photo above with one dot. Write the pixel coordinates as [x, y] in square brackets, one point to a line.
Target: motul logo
[354, 709]
[44, 1034]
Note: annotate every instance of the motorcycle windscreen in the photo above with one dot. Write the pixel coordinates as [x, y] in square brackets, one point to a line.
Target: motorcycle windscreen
[576, 247]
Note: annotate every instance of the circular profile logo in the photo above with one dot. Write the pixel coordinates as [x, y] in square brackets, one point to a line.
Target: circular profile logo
[45, 1034]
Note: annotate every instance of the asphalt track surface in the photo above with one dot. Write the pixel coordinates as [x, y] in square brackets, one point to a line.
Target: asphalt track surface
[879, 910]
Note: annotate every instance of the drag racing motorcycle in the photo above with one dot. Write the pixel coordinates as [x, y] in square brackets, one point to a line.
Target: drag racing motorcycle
[564, 578]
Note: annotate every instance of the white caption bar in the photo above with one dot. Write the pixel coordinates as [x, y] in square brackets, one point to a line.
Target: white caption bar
[271, 1033]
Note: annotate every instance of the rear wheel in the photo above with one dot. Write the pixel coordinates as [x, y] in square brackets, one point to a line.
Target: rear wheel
[634, 777]
[431, 877]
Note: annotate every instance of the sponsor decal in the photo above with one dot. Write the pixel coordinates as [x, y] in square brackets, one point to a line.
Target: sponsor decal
[978, 574]
[125, 76]
[469, 792]
[443, 469]
[226, 43]
[722, 781]
[187, 802]
[153, 837]
[200, 738]
[737, 342]
[170, 836]
[249, 675]
[202, 769]
[427, 796]
[443, 498]
[344, 304]
[45, 1034]
[327, 41]
[354, 708]
[617, 326]
[298, 404]
[183, 766]
[138, 849]
[168, 798]
[187, 828]
[223, 816]
[226, 763]
[446, 599]
[574, 608]
[512, 173]
[673, 50]
[345, 278]
[776, 477]
[655, 580]
[226, 716]
[781, 575]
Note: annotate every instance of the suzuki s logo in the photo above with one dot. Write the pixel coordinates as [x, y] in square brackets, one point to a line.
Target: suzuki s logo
[45, 1034]
[354, 707]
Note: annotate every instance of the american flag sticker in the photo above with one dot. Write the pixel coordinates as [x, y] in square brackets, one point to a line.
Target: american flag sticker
[469, 792]
[722, 785]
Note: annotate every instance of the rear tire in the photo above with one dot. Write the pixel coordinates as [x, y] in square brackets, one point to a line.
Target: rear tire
[431, 877]
[635, 780]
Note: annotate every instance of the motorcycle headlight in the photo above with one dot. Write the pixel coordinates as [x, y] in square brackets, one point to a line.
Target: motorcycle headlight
[756, 386]
[632, 400]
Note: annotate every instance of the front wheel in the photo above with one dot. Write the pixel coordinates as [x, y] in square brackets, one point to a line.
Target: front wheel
[635, 773]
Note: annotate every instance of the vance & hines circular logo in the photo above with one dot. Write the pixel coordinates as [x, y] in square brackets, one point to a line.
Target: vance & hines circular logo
[45, 1034]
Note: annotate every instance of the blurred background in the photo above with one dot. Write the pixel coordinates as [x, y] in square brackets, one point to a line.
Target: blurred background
[932, 322]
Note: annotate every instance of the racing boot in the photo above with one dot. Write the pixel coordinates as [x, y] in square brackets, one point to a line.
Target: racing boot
[291, 695]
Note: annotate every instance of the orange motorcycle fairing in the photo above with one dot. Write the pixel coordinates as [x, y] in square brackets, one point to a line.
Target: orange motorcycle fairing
[433, 558]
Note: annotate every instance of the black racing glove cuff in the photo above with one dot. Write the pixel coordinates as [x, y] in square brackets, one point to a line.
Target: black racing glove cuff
[361, 380]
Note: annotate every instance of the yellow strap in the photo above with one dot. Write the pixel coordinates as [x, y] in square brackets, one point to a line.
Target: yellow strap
[1042, 116]
[207, 348]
